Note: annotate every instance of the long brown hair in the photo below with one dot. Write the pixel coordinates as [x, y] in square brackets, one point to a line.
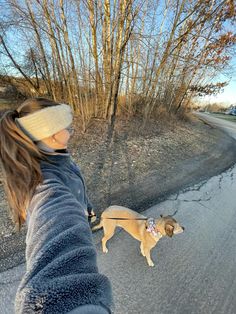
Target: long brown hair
[20, 159]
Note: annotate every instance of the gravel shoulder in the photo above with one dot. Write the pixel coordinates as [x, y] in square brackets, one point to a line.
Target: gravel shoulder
[142, 166]
[138, 167]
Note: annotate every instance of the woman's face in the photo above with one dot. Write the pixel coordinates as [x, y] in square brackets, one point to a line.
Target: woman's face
[60, 139]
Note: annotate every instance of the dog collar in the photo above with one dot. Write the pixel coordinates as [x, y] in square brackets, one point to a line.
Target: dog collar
[151, 227]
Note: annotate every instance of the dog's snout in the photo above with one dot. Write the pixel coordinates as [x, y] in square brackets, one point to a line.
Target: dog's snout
[183, 228]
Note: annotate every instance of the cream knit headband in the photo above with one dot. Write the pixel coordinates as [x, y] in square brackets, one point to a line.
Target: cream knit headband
[46, 122]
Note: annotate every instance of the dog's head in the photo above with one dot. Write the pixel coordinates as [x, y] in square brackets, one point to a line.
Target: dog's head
[169, 226]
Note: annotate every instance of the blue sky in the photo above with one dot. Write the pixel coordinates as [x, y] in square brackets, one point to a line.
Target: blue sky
[228, 96]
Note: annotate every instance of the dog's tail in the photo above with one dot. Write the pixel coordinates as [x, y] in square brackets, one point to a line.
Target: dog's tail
[97, 227]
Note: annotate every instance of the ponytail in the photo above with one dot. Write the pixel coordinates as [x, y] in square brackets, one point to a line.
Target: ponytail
[20, 165]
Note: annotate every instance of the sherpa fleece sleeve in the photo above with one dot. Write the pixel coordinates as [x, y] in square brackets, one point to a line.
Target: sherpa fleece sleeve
[89, 205]
[61, 267]
[78, 170]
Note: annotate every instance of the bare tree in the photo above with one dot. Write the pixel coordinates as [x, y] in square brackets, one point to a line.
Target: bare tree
[93, 54]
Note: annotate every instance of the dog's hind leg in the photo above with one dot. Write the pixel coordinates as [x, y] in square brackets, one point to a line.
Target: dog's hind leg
[109, 231]
[141, 249]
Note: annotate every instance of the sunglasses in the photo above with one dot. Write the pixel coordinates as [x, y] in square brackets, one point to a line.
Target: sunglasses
[70, 129]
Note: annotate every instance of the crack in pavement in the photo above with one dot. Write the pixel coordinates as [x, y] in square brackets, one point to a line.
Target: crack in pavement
[198, 200]
[202, 200]
[174, 199]
[232, 177]
[196, 187]
[189, 201]
[220, 180]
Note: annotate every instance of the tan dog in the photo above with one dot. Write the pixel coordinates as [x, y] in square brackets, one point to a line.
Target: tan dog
[147, 231]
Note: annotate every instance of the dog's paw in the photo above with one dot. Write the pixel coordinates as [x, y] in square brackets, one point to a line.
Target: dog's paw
[105, 250]
[151, 264]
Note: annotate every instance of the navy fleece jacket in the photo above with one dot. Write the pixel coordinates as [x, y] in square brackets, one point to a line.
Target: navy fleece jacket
[61, 268]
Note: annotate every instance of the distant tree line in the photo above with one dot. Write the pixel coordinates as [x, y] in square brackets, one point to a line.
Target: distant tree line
[109, 56]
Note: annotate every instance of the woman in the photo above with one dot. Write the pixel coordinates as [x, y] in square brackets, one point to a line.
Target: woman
[45, 188]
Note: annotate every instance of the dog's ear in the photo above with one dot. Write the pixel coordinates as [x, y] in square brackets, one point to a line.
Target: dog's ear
[169, 230]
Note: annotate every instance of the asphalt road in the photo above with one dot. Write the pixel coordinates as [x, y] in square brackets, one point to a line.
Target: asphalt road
[194, 272]
[227, 126]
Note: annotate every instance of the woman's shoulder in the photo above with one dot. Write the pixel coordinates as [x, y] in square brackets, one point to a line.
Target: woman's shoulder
[53, 177]
[51, 168]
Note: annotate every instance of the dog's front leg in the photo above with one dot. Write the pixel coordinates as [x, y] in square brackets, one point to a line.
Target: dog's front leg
[141, 249]
[148, 256]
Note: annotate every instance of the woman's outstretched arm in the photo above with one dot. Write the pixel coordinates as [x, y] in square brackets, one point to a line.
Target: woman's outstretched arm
[62, 273]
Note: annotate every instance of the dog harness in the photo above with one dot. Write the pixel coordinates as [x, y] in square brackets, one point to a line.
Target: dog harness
[151, 227]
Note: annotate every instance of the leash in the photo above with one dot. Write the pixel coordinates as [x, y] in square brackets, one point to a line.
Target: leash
[139, 218]
[151, 227]
[126, 218]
